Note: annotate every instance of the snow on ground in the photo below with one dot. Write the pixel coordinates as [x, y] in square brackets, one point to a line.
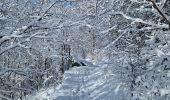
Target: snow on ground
[85, 83]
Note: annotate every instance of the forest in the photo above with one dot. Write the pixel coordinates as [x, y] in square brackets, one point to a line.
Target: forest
[84, 49]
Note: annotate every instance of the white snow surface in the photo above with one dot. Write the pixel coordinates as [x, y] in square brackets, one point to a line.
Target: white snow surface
[85, 83]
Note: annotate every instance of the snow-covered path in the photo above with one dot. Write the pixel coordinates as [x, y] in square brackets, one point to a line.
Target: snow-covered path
[85, 83]
[74, 85]
[89, 83]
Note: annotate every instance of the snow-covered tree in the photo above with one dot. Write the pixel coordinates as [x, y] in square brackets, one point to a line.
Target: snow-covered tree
[140, 36]
[27, 48]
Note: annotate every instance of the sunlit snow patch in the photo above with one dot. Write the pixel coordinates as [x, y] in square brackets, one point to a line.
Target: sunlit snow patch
[117, 89]
[165, 92]
[159, 52]
[168, 74]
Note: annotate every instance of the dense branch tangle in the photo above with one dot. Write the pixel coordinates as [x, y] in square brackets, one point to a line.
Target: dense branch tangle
[163, 16]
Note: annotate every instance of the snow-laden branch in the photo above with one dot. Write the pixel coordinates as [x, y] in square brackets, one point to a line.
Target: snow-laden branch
[19, 44]
[107, 30]
[4, 97]
[25, 28]
[5, 91]
[66, 24]
[8, 48]
[5, 70]
[160, 12]
[72, 23]
[141, 21]
[110, 44]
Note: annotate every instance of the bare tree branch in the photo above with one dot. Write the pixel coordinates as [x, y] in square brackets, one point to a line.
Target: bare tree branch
[160, 12]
